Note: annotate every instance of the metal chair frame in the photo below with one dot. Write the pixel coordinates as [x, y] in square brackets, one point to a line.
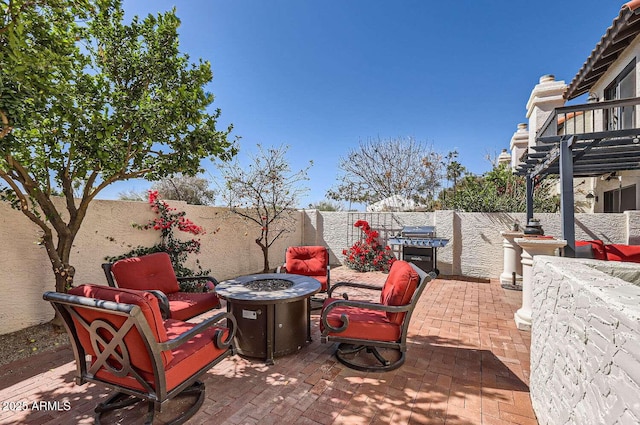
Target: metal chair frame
[116, 349]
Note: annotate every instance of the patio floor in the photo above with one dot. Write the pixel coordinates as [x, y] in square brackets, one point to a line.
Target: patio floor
[466, 364]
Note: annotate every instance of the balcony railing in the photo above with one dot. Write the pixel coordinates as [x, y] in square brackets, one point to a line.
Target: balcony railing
[598, 120]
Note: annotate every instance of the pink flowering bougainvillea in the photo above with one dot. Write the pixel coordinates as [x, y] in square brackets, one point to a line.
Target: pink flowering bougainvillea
[368, 254]
[168, 219]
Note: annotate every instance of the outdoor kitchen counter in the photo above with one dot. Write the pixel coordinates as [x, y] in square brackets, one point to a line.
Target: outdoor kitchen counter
[272, 321]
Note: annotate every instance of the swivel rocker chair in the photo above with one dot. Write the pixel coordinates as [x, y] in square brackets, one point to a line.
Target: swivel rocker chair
[120, 340]
[365, 329]
[155, 273]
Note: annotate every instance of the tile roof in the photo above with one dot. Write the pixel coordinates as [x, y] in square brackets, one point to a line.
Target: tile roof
[625, 27]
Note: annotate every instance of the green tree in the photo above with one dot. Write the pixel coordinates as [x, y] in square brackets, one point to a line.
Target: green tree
[193, 190]
[266, 194]
[326, 206]
[132, 195]
[125, 104]
[37, 52]
[498, 190]
[454, 170]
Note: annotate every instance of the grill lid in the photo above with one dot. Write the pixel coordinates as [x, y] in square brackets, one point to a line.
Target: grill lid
[418, 231]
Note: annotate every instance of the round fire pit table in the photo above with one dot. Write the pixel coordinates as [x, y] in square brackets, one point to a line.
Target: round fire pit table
[273, 311]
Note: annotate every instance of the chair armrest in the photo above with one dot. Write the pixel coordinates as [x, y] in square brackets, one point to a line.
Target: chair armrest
[210, 285]
[353, 285]
[358, 304]
[203, 326]
[163, 302]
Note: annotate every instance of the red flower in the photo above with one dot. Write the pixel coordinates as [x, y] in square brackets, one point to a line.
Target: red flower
[368, 254]
[153, 196]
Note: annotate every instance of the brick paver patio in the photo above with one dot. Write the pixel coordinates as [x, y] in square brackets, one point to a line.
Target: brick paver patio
[466, 364]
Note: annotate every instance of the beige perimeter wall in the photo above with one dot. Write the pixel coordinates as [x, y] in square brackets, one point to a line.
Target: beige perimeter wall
[229, 249]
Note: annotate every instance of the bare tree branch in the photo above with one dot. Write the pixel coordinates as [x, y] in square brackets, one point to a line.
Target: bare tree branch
[266, 194]
[379, 169]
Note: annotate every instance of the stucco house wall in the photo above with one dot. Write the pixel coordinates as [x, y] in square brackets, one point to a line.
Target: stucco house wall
[630, 53]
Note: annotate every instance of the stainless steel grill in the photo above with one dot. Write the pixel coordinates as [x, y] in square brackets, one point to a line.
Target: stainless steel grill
[419, 246]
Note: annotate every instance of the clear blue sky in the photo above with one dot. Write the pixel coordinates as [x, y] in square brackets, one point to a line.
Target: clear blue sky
[320, 76]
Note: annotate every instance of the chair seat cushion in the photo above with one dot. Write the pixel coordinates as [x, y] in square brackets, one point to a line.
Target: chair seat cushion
[148, 305]
[185, 305]
[153, 271]
[620, 252]
[323, 282]
[188, 359]
[363, 323]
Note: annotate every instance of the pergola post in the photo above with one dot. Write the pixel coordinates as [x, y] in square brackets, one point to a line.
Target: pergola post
[529, 197]
[566, 195]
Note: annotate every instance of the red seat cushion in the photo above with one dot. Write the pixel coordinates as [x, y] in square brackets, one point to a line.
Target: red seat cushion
[134, 341]
[185, 305]
[153, 271]
[363, 324]
[597, 247]
[626, 253]
[308, 261]
[188, 358]
[399, 288]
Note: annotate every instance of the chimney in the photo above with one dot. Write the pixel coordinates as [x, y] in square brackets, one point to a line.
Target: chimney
[504, 157]
[519, 143]
[545, 97]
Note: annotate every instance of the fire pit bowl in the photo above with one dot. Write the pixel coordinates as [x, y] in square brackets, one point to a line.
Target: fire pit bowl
[272, 311]
[269, 284]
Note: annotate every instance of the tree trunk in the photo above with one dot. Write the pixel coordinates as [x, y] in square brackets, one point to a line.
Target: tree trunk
[64, 277]
[265, 256]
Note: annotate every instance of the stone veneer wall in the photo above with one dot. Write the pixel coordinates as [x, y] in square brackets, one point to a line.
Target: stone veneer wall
[585, 342]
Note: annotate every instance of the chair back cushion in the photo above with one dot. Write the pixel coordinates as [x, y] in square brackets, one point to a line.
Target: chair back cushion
[133, 340]
[153, 271]
[399, 288]
[307, 260]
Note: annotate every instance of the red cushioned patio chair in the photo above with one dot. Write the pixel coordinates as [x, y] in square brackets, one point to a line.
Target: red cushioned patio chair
[373, 336]
[120, 340]
[310, 261]
[154, 273]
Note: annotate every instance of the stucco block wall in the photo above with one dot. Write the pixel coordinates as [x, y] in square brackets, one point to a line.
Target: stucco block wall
[481, 243]
[335, 228]
[585, 342]
[228, 249]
